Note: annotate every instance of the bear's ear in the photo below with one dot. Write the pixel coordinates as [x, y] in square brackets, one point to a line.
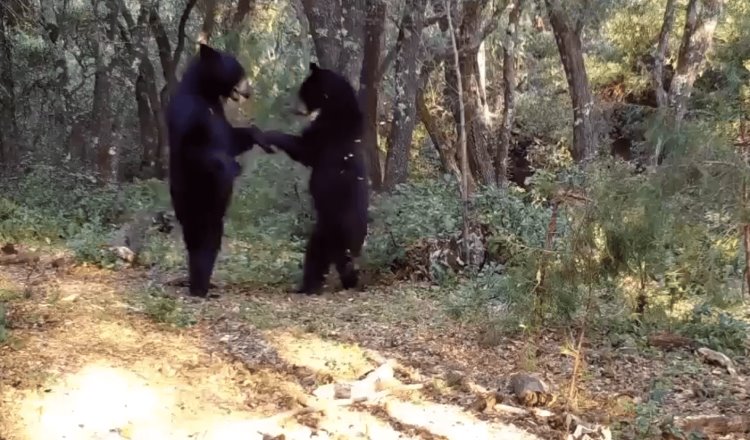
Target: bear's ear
[314, 67]
[207, 52]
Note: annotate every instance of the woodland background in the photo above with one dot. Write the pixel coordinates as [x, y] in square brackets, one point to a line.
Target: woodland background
[537, 166]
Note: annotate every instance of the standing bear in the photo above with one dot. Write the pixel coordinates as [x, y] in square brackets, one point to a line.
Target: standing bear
[203, 147]
[331, 146]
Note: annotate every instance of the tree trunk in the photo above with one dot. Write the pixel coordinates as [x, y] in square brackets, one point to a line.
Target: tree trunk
[509, 93]
[101, 112]
[407, 81]
[352, 39]
[153, 135]
[148, 131]
[478, 123]
[169, 61]
[661, 53]
[244, 9]
[209, 21]
[324, 17]
[337, 31]
[464, 185]
[700, 24]
[368, 88]
[569, 45]
[445, 148]
[8, 123]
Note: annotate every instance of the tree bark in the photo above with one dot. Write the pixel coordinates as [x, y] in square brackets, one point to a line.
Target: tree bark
[464, 185]
[324, 17]
[8, 122]
[445, 148]
[337, 31]
[368, 89]
[209, 21]
[153, 134]
[407, 81]
[568, 39]
[700, 25]
[478, 124]
[101, 112]
[509, 92]
[662, 46]
[169, 61]
[244, 9]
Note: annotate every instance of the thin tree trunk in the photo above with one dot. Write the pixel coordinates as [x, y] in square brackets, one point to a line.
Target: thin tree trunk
[407, 82]
[368, 89]
[568, 41]
[481, 69]
[700, 25]
[464, 186]
[661, 53]
[745, 228]
[509, 93]
[146, 120]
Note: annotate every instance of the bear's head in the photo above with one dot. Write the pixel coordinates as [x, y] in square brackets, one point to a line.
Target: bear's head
[329, 92]
[220, 75]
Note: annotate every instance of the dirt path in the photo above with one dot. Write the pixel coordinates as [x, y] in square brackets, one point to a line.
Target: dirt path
[93, 354]
[83, 362]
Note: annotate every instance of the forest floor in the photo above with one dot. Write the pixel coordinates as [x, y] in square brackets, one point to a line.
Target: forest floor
[84, 359]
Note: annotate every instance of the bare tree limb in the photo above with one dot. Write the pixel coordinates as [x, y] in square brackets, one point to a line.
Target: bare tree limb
[181, 34]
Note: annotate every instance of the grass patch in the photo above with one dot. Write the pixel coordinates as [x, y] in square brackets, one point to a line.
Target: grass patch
[162, 308]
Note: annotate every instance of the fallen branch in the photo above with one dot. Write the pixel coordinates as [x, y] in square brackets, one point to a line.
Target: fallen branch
[19, 258]
[716, 358]
[714, 424]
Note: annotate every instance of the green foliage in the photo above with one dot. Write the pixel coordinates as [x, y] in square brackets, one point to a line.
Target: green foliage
[164, 309]
[717, 330]
[3, 323]
[428, 209]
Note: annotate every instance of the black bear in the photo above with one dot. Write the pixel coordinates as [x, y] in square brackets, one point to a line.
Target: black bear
[203, 147]
[331, 146]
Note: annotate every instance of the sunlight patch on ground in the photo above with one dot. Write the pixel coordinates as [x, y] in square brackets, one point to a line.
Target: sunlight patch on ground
[97, 401]
[452, 422]
[340, 360]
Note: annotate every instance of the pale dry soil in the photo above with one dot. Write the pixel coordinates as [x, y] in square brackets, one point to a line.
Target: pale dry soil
[83, 360]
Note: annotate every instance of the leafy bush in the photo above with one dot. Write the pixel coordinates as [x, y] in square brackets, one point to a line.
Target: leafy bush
[412, 212]
[717, 330]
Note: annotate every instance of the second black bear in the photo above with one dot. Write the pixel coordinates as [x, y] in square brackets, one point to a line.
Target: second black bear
[203, 146]
[331, 146]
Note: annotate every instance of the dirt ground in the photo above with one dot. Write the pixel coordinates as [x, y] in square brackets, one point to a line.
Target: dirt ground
[83, 360]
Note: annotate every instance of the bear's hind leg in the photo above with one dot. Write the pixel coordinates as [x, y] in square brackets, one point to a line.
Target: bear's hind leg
[203, 248]
[316, 265]
[346, 268]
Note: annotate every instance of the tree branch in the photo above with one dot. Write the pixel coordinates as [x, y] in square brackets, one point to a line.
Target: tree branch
[181, 34]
